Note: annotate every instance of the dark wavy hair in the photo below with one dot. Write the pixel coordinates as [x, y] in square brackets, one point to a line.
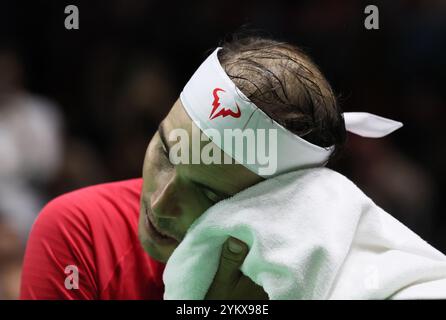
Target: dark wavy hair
[288, 86]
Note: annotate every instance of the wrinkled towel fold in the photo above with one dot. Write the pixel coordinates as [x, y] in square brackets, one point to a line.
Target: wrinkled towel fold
[312, 234]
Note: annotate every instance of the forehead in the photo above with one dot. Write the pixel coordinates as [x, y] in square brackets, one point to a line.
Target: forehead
[229, 178]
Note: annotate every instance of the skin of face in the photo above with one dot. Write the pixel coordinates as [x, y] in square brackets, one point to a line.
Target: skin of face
[174, 196]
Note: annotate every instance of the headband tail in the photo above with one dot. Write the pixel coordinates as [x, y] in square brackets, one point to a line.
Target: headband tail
[369, 125]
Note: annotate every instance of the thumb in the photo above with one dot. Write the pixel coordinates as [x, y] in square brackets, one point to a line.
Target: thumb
[228, 274]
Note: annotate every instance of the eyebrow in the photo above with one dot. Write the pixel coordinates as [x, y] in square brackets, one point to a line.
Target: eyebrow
[162, 134]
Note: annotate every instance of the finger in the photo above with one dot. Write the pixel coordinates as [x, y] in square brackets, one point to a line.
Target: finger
[232, 257]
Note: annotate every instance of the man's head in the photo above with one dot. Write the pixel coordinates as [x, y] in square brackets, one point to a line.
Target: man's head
[279, 79]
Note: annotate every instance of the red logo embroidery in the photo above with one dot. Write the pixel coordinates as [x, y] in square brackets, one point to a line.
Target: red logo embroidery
[223, 112]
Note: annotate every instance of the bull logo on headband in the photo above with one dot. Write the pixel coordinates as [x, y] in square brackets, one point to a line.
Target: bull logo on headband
[222, 111]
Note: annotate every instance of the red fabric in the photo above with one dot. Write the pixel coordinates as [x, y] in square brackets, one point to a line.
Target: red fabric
[94, 229]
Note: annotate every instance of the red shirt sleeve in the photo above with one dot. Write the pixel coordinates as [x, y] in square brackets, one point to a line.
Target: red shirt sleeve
[60, 238]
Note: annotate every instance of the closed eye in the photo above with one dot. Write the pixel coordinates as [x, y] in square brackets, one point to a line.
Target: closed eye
[211, 195]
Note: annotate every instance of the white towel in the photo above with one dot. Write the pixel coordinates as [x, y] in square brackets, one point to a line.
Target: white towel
[312, 234]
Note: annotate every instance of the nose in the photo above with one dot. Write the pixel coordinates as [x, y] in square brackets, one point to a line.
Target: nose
[164, 200]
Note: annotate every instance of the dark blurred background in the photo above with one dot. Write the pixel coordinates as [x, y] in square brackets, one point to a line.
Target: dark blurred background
[78, 107]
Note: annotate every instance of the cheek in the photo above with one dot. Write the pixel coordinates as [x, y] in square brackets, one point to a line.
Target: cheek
[193, 204]
[189, 198]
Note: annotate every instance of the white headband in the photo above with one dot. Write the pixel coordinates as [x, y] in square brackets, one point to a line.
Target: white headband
[213, 101]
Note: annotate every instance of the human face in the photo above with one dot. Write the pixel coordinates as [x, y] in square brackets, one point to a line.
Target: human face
[174, 196]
